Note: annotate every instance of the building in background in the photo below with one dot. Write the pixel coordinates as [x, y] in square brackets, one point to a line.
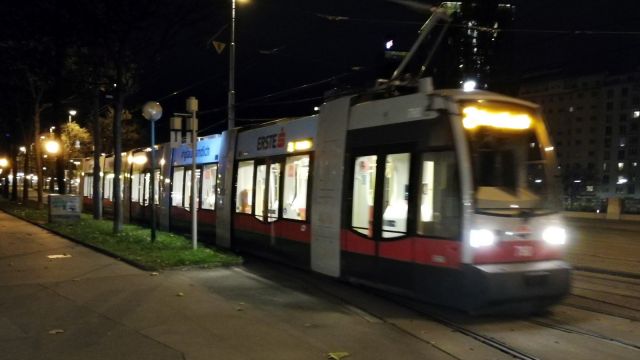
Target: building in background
[475, 47]
[594, 121]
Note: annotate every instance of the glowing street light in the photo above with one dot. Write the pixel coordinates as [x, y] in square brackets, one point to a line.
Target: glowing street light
[4, 162]
[52, 146]
[72, 113]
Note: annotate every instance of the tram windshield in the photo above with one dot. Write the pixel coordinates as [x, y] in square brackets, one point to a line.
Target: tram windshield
[510, 167]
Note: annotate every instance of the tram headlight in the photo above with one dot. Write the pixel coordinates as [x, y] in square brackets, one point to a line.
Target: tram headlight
[481, 237]
[555, 235]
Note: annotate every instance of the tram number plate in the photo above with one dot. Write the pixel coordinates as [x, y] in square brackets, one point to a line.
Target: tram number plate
[536, 278]
[523, 250]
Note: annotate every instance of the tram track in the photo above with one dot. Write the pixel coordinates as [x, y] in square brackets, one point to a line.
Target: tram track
[571, 330]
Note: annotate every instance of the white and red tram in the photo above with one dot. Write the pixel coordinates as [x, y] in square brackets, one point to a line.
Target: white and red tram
[446, 196]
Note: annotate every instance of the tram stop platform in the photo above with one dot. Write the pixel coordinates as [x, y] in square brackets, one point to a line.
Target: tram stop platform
[60, 300]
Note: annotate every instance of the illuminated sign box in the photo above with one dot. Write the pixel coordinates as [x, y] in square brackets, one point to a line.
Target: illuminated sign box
[64, 208]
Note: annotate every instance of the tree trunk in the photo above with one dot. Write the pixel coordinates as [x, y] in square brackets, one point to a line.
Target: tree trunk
[37, 147]
[97, 149]
[25, 179]
[117, 159]
[14, 172]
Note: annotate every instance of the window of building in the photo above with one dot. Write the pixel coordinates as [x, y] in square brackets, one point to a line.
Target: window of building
[296, 178]
[244, 188]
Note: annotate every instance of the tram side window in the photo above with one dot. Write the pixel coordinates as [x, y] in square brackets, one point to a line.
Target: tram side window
[177, 186]
[209, 173]
[135, 187]
[364, 182]
[396, 195]
[144, 188]
[273, 194]
[187, 188]
[156, 187]
[108, 187]
[439, 207]
[244, 188]
[261, 183]
[88, 186]
[296, 178]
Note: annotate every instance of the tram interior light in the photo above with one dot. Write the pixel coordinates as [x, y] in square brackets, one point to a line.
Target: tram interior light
[301, 145]
[555, 235]
[474, 117]
[481, 237]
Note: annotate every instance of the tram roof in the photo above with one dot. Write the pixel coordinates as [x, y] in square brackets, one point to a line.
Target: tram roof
[461, 95]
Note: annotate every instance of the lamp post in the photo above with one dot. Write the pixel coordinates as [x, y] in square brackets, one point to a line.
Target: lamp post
[72, 113]
[152, 111]
[232, 69]
[232, 66]
[52, 147]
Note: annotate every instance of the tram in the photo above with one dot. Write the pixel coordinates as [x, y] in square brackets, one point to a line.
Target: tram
[446, 196]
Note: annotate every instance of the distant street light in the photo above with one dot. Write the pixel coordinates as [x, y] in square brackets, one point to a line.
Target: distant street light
[152, 111]
[72, 113]
[4, 162]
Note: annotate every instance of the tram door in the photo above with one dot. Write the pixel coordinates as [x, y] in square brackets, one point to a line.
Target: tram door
[379, 208]
[268, 184]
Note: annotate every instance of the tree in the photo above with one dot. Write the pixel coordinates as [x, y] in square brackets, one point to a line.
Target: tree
[134, 35]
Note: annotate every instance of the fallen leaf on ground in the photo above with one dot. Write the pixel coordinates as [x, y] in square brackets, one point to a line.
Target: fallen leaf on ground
[337, 355]
[154, 274]
[180, 294]
[56, 331]
[59, 256]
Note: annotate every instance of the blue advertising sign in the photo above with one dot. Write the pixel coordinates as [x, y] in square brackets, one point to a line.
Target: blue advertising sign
[207, 151]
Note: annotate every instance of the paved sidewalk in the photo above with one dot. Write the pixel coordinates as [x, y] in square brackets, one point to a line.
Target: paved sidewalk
[90, 306]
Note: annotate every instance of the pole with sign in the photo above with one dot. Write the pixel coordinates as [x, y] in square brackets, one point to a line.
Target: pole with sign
[192, 107]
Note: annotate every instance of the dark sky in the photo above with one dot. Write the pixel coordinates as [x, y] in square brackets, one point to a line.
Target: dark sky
[283, 44]
[291, 45]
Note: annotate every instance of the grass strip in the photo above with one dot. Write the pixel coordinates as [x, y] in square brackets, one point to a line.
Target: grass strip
[133, 243]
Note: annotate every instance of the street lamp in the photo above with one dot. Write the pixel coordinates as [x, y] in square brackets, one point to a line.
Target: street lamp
[52, 147]
[232, 66]
[72, 113]
[152, 111]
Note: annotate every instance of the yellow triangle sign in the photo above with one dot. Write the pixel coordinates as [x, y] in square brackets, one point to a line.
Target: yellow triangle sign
[219, 46]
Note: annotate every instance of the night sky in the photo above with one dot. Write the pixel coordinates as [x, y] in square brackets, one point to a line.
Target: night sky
[285, 44]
